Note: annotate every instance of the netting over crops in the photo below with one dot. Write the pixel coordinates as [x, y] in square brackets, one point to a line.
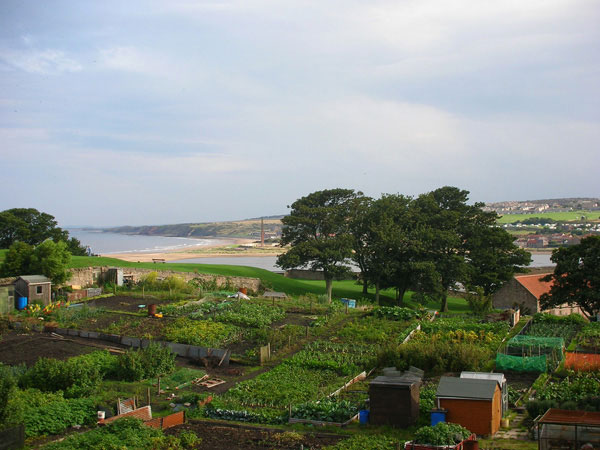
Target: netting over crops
[534, 345]
[521, 363]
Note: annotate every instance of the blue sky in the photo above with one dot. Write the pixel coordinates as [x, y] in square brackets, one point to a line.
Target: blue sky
[131, 112]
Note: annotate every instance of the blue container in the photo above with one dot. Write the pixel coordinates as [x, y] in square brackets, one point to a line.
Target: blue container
[351, 303]
[363, 416]
[437, 416]
[21, 303]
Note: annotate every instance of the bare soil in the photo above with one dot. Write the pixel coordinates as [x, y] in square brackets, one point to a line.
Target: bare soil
[127, 303]
[223, 436]
[20, 348]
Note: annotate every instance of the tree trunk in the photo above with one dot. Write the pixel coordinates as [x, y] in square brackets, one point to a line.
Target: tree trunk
[328, 287]
[377, 292]
[365, 287]
[444, 307]
[401, 292]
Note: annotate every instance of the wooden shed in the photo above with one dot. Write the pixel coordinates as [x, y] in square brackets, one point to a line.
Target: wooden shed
[394, 400]
[500, 379]
[475, 404]
[34, 287]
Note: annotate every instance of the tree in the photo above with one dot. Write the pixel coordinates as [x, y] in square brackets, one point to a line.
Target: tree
[28, 225]
[464, 245]
[32, 227]
[388, 244]
[49, 259]
[17, 260]
[317, 229]
[443, 210]
[492, 256]
[576, 277]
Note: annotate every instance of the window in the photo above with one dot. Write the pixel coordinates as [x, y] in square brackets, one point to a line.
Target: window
[38, 290]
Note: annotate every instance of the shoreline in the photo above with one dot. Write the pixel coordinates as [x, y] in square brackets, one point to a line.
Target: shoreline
[227, 248]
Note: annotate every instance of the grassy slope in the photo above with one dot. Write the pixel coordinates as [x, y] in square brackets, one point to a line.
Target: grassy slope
[275, 281]
[562, 216]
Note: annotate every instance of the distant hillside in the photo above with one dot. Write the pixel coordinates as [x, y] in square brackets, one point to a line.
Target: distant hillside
[249, 228]
[557, 205]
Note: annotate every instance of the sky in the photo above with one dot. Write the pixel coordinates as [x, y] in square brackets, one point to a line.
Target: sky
[156, 112]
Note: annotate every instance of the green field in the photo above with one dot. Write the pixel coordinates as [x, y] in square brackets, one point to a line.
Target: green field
[570, 216]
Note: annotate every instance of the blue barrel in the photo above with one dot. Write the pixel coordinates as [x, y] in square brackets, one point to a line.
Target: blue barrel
[363, 416]
[437, 416]
[21, 303]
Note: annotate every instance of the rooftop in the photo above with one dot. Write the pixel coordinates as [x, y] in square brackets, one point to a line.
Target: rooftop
[35, 279]
[466, 388]
[534, 284]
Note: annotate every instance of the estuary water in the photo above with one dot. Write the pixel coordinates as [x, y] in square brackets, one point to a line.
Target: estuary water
[106, 243]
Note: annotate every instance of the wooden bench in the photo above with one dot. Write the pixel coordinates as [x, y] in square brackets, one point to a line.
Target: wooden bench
[158, 260]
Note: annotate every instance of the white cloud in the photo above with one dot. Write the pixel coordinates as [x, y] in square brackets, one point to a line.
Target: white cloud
[46, 62]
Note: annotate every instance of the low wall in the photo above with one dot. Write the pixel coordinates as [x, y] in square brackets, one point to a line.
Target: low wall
[185, 350]
[94, 275]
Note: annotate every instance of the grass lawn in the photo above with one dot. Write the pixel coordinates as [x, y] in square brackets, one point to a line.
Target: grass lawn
[346, 289]
[569, 216]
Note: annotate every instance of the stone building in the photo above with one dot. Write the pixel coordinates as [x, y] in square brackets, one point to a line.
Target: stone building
[524, 292]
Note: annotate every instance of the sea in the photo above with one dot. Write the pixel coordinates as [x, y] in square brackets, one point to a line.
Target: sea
[101, 242]
[107, 243]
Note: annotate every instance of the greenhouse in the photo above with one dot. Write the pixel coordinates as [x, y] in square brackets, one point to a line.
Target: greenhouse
[568, 430]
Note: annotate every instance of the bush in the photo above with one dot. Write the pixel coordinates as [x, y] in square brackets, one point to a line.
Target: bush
[121, 434]
[441, 434]
[154, 360]
[436, 357]
[76, 377]
[55, 417]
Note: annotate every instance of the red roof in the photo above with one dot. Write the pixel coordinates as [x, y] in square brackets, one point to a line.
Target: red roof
[534, 284]
[563, 416]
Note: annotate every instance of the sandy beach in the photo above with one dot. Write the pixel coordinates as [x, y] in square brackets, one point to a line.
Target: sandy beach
[230, 248]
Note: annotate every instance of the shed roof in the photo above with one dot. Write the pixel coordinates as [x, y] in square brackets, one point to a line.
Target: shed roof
[466, 388]
[7, 281]
[395, 382]
[35, 279]
[563, 416]
[498, 377]
[534, 284]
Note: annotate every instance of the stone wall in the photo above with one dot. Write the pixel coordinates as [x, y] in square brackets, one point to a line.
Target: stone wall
[95, 275]
[514, 294]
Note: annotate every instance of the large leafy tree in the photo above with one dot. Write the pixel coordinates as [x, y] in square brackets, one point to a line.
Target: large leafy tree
[464, 245]
[576, 277]
[443, 210]
[48, 258]
[492, 256]
[30, 226]
[389, 244]
[318, 232]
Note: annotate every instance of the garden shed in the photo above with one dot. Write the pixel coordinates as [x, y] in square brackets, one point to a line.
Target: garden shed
[394, 400]
[476, 404]
[500, 379]
[34, 287]
[562, 429]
